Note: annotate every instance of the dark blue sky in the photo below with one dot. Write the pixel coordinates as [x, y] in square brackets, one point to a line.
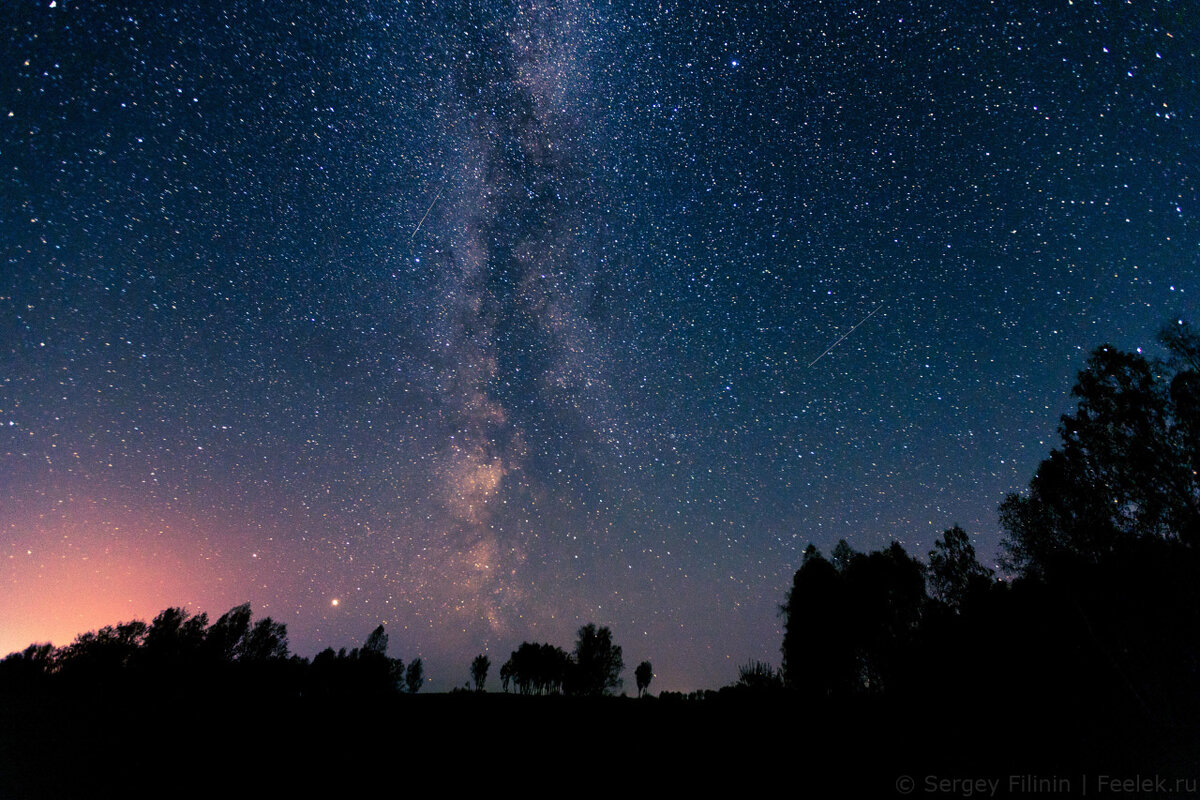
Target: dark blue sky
[490, 319]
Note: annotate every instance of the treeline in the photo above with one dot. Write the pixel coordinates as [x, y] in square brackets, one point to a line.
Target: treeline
[1082, 654]
[1098, 616]
[593, 669]
[187, 653]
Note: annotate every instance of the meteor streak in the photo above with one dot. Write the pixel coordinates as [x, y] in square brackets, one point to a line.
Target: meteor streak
[426, 214]
[844, 335]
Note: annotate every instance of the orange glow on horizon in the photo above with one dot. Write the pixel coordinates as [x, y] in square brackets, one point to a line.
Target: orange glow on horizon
[90, 564]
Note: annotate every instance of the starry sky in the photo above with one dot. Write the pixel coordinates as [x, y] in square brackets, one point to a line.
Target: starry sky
[485, 319]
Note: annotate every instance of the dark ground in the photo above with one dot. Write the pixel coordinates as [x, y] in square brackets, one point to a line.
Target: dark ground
[157, 743]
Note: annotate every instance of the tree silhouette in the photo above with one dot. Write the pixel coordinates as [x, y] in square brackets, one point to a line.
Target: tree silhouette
[818, 653]
[174, 638]
[643, 675]
[267, 641]
[954, 571]
[28, 667]
[849, 628]
[226, 639]
[537, 669]
[598, 662]
[885, 593]
[102, 655]
[414, 678]
[511, 673]
[842, 555]
[479, 671]
[370, 664]
[180, 656]
[377, 642]
[758, 676]
[1128, 465]
[506, 674]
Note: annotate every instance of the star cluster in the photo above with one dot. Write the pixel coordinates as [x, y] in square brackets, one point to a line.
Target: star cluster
[486, 319]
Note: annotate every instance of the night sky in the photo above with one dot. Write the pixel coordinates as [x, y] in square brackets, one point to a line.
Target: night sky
[488, 319]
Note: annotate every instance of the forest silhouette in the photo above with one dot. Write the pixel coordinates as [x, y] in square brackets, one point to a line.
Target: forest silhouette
[1081, 658]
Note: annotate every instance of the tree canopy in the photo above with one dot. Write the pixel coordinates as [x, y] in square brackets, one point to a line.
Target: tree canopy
[954, 571]
[414, 678]
[535, 668]
[479, 671]
[1128, 465]
[847, 623]
[643, 675]
[598, 662]
[594, 668]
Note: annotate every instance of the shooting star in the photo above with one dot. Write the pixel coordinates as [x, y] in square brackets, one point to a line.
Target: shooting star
[843, 336]
[426, 214]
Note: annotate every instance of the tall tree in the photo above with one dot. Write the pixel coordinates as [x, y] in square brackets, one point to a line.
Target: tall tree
[536, 669]
[850, 628]
[174, 637]
[414, 678]
[885, 595]
[506, 674]
[954, 571]
[227, 636]
[267, 641]
[1128, 465]
[817, 653]
[377, 642]
[643, 675]
[842, 555]
[598, 662]
[479, 671]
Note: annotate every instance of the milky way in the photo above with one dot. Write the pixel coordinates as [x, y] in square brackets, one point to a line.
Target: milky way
[490, 319]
